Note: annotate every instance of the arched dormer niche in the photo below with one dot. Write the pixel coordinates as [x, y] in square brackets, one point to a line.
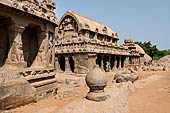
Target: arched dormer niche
[68, 27]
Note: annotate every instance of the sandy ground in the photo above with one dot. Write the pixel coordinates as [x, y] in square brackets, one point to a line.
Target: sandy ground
[154, 97]
[51, 104]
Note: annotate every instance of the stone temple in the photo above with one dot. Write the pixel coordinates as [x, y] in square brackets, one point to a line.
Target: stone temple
[34, 46]
[83, 42]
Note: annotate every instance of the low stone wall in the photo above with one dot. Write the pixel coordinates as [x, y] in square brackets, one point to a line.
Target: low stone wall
[116, 103]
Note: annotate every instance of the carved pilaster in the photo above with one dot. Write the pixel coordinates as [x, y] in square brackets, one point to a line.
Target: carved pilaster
[57, 65]
[67, 65]
[132, 58]
[115, 63]
[15, 55]
[50, 52]
[102, 64]
[109, 63]
[120, 62]
[95, 36]
[87, 34]
[127, 61]
[42, 55]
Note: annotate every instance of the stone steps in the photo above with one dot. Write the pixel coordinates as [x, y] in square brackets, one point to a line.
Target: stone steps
[29, 78]
[43, 83]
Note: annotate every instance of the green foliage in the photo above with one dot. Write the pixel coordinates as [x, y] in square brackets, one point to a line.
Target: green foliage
[152, 50]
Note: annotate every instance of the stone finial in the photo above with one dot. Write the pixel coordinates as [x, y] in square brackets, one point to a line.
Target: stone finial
[96, 80]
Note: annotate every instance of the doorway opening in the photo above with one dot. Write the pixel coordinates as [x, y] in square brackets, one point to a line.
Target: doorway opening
[30, 43]
[62, 63]
[5, 22]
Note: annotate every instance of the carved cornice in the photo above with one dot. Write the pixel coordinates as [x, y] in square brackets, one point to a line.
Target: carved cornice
[44, 9]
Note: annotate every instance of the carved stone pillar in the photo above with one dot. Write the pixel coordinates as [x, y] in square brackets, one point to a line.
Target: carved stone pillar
[132, 60]
[109, 68]
[102, 64]
[67, 65]
[139, 60]
[115, 63]
[120, 62]
[95, 36]
[50, 52]
[57, 65]
[15, 55]
[87, 34]
[127, 61]
[135, 60]
[41, 58]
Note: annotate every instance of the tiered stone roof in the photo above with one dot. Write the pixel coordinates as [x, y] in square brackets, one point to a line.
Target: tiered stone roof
[91, 25]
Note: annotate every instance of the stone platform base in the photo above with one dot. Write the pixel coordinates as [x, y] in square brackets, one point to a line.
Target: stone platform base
[117, 102]
[24, 86]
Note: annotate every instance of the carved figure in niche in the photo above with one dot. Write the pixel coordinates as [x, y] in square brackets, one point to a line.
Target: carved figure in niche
[41, 52]
[50, 50]
[68, 24]
[15, 44]
[18, 51]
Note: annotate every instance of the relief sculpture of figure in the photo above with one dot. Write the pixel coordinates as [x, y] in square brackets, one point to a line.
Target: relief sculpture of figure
[41, 51]
[19, 51]
[50, 51]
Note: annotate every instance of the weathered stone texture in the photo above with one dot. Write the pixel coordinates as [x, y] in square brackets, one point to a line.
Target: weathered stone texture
[15, 90]
[117, 102]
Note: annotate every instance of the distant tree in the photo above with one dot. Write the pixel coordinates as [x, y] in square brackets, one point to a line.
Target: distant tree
[166, 52]
[150, 49]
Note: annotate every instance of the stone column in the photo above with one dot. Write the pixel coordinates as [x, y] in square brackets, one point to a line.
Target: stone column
[87, 34]
[102, 64]
[109, 68]
[135, 60]
[127, 61]
[50, 52]
[115, 63]
[120, 62]
[123, 62]
[132, 58]
[139, 60]
[41, 59]
[57, 65]
[15, 55]
[67, 65]
[95, 36]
